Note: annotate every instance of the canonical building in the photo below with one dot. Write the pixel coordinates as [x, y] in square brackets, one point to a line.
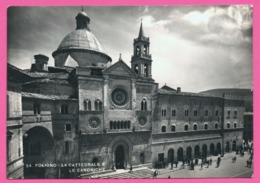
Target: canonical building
[63, 120]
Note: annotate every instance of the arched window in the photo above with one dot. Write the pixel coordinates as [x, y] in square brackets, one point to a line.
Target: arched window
[137, 50]
[216, 113]
[98, 105]
[114, 124]
[136, 68]
[216, 125]
[186, 112]
[111, 125]
[173, 128]
[145, 50]
[195, 112]
[235, 125]
[87, 105]
[228, 125]
[164, 112]
[206, 126]
[145, 70]
[173, 112]
[144, 105]
[195, 127]
[186, 127]
[206, 113]
[64, 109]
[235, 114]
[163, 128]
[37, 108]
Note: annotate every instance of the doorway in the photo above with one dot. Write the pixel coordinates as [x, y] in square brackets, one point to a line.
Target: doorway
[120, 157]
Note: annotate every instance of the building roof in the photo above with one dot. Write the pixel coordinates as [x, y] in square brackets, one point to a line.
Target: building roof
[165, 87]
[141, 31]
[169, 92]
[58, 75]
[81, 39]
[47, 97]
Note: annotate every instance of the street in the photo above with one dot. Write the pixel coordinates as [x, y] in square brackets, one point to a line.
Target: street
[226, 169]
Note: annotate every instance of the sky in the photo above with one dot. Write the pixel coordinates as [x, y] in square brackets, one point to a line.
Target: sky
[193, 47]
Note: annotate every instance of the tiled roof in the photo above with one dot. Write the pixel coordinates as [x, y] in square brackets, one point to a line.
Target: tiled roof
[167, 92]
[47, 97]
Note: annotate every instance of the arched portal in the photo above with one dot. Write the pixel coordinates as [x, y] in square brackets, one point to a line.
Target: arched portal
[180, 154]
[234, 145]
[197, 151]
[120, 157]
[37, 148]
[227, 148]
[204, 151]
[189, 153]
[212, 149]
[170, 156]
[142, 158]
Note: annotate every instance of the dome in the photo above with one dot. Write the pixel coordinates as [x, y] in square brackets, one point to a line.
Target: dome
[82, 46]
[81, 39]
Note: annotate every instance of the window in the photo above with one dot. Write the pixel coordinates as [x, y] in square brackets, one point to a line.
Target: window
[216, 113]
[87, 105]
[136, 68]
[235, 114]
[37, 108]
[98, 105]
[228, 114]
[64, 109]
[137, 50]
[195, 112]
[145, 70]
[144, 105]
[186, 112]
[173, 128]
[206, 113]
[216, 125]
[67, 147]
[68, 127]
[206, 126]
[173, 112]
[228, 125]
[235, 125]
[195, 127]
[163, 128]
[186, 127]
[164, 112]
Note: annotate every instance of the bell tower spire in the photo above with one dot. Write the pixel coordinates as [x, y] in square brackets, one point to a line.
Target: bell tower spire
[141, 61]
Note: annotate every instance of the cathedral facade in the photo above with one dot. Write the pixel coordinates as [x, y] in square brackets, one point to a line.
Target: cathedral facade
[103, 117]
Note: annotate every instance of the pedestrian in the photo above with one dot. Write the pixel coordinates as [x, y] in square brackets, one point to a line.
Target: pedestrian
[210, 161]
[192, 166]
[155, 174]
[131, 169]
[201, 165]
[196, 161]
[169, 177]
[176, 164]
[171, 165]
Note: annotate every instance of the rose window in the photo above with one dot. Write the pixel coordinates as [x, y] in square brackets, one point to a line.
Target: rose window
[142, 120]
[119, 96]
[94, 122]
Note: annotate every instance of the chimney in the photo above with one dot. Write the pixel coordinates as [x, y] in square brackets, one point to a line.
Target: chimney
[41, 63]
[178, 89]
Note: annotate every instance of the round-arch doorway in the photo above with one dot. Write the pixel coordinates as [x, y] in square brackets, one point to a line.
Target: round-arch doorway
[120, 157]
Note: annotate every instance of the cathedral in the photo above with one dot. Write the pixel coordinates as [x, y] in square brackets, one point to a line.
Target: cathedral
[64, 121]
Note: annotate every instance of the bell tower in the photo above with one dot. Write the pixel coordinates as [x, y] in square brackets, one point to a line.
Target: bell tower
[141, 61]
